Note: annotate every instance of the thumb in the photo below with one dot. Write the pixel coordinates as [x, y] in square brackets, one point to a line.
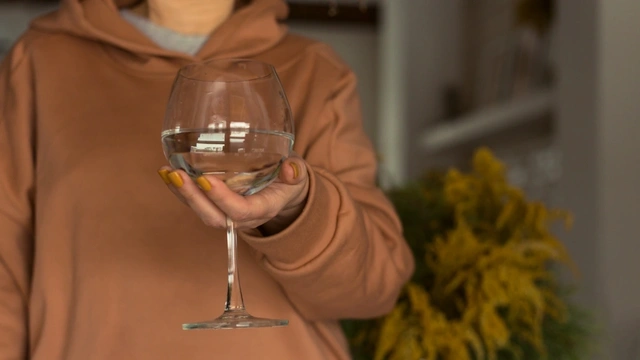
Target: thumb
[294, 170]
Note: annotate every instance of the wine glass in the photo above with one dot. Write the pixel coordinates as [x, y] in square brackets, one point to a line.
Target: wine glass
[230, 119]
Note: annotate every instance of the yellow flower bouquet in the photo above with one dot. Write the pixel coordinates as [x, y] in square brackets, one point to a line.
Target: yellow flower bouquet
[483, 286]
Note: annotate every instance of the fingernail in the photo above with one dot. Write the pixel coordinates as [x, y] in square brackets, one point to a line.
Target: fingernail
[203, 183]
[175, 179]
[164, 174]
[296, 170]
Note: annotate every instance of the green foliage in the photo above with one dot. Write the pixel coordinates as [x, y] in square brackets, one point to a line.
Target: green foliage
[504, 245]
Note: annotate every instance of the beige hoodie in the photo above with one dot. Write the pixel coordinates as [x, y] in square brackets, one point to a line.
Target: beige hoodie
[98, 260]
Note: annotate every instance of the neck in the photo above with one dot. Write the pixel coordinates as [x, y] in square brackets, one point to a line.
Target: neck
[192, 17]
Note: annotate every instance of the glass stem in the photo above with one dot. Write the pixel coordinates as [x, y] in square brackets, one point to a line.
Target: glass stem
[234, 302]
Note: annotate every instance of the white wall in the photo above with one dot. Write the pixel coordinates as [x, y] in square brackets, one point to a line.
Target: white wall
[619, 136]
[434, 61]
[15, 16]
[598, 113]
[420, 53]
[358, 46]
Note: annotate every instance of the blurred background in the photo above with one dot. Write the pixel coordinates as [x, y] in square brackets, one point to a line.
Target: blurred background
[552, 87]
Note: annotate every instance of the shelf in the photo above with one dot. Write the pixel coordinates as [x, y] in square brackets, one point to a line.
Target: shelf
[488, 121]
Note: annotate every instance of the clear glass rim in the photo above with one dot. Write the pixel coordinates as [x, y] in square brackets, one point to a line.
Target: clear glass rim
[267, 71]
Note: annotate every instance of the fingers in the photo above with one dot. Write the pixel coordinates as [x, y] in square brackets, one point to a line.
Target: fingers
[189, 193]
[164, 173]
[294, 170]
[236, 206]
[213, 200]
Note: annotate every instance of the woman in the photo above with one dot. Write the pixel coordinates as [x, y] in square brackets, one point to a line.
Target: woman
[99, 261]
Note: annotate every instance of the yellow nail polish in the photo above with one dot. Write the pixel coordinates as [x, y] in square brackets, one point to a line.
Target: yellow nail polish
[203, 183]
[296, 170]
[164, 174]
[175, 179]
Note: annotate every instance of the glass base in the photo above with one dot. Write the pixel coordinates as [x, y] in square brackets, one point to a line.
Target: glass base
[235, 320]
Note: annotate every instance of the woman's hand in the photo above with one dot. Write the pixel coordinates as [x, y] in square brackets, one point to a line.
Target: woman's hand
[273, 208]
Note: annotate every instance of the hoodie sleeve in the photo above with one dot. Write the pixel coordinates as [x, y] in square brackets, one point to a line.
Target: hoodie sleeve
[345, 255]
[16, 190]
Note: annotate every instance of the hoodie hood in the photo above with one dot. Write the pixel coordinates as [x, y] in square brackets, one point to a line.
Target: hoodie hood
[249, 31]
